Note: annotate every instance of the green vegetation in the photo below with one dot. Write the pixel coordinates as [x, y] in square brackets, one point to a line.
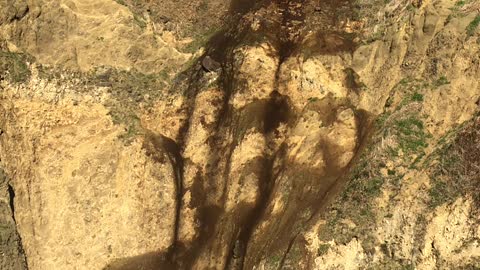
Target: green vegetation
[441, 190]
[368, 188]
[356, 203]
[473, 26]
[137, 18]
[411, 134]
[400, 138]
[460, 3]
[405, 125]
[274, 260]
[130, 120]
[441, 81]
[417, 97]
[377, 35]
[121, 2]
[380, 121]
[405, 81]
[14, 66]
[128, 89]
[323, 249]
[439, 194]
[457, 10]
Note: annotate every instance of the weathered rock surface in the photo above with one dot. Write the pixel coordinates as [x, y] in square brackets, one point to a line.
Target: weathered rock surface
[321, 141]
[11, 253]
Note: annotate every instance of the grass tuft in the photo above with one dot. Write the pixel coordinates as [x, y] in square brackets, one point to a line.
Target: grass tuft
[441, 81]
[472, 26]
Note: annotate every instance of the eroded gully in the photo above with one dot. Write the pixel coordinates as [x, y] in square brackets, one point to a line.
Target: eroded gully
[221, 233]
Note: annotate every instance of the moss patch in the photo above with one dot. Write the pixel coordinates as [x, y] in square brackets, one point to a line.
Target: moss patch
[472, 26]
[441, 81]
[13, 66]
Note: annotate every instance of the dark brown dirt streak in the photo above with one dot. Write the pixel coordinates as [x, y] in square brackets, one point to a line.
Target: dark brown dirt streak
[365, 129]
[267, 182]
[292, 26]
[174, 148]
[11, 194]
[182, 255]
[156, 144]
[276, 111]
[220, 48]
[289, 41]
[176, 159]
[287, 38]
[11, 203]
[289, 248]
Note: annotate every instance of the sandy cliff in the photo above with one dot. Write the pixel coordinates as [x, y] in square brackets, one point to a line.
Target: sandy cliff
[239, 134]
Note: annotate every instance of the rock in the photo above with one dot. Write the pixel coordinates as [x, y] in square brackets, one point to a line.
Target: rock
[210, 65]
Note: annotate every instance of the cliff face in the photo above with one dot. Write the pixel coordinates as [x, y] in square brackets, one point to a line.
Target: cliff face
[240, 135]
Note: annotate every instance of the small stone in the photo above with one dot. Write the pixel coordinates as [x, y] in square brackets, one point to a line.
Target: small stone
[209, 64]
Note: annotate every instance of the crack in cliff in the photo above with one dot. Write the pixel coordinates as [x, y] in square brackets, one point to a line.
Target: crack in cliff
[289, 248]
[176, 159]
[11, 197]
[11, 203]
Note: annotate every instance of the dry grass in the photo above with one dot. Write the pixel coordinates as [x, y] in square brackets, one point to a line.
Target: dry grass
[457, 172]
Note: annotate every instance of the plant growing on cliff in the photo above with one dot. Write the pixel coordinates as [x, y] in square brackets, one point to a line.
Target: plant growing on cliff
[473, 26]
[14, 65]
[412, 136]
[441, 81]
[456, 167]
[121, 2]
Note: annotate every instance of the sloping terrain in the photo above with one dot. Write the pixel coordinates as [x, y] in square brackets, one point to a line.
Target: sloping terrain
[241, 134]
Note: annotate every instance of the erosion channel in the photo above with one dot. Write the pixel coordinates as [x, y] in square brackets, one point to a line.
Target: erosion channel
[273, 156]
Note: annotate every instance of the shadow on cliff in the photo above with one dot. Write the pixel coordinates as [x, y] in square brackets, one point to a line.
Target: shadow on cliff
[153, 260]
[269, 114]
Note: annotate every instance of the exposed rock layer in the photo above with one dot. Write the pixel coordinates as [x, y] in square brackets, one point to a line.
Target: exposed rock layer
[259, 164]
